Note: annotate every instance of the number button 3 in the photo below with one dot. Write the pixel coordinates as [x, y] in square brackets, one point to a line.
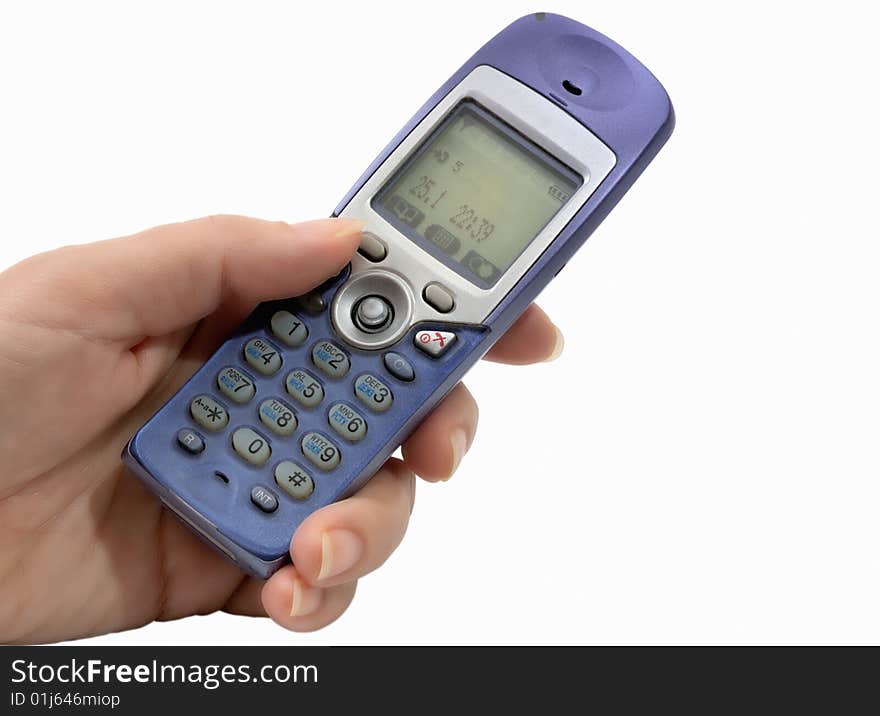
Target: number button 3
[373, 393]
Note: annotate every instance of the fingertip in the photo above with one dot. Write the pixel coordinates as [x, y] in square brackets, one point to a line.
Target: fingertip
[287, 597]
[533, 338]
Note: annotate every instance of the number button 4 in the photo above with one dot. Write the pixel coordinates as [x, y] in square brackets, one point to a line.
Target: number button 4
[262, 356]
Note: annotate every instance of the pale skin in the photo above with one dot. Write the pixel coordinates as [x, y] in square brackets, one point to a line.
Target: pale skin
[94, 339]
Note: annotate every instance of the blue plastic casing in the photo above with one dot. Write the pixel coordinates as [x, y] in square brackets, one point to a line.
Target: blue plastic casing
[620, 102]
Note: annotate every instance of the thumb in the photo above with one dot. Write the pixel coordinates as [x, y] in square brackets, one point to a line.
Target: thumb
[163, 279]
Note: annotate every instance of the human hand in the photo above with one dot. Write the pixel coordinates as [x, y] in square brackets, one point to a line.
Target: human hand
[93, 340]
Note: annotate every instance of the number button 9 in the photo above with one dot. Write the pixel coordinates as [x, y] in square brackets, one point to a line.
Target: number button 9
[320, 451]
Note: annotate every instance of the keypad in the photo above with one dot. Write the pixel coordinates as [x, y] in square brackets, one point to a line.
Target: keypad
[278, 416]
[294, 480]
[251, 446]
[347, 422]
[305, 388]
[235, 385]
[262, 356]
[331, 359]
[208, 413]
[289, 329]
[373, 393]
[320, 451]
[315, 371]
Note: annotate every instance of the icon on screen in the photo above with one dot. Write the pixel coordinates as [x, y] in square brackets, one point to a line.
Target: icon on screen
[480, 267]
[442, 238]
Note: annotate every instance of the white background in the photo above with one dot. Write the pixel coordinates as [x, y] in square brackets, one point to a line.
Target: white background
[702, 464]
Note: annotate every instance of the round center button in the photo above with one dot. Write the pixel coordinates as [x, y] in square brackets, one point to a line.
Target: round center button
[372, 313]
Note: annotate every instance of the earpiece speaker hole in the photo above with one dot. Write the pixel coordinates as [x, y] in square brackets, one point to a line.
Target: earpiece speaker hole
[572, 88]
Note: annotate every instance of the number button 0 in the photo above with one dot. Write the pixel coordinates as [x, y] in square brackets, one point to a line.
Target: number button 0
[373, 393]
[251, 446]
[349, 423]
[306, 389]
[262, 356]
[278, 416]
[331, 359]
[235, 385]
[289, 329]
[320, 451]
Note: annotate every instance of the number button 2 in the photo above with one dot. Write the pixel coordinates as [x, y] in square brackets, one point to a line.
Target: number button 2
[331, 359]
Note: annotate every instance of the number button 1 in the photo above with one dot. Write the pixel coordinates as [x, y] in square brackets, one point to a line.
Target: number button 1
[251, 446]
[289, 329]
[262, 356]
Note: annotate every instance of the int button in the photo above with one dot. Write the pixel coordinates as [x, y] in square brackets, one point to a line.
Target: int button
[438, 297]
